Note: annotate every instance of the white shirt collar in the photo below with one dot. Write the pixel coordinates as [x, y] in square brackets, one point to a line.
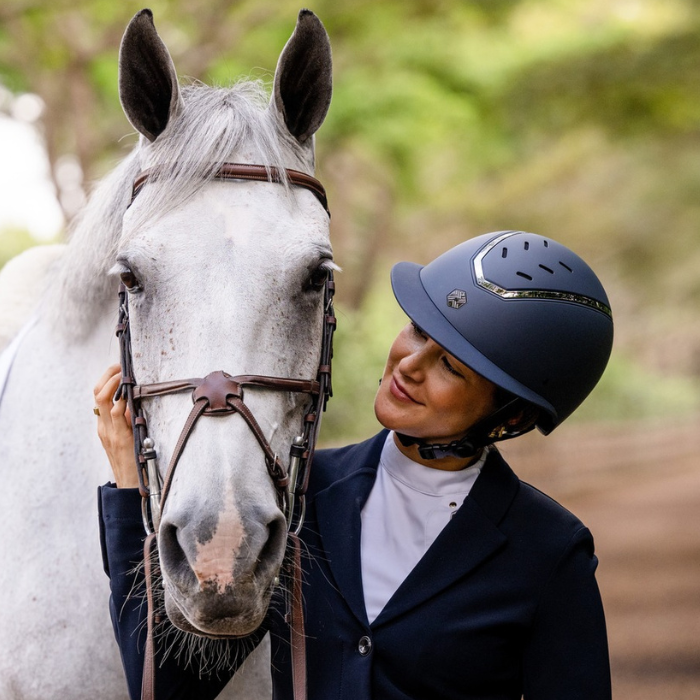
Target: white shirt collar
[427, 480]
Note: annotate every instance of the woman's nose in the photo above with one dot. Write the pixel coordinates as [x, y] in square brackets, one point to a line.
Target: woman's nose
[414, 364]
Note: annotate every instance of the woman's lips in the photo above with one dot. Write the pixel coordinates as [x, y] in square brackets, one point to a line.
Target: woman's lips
[398, 391]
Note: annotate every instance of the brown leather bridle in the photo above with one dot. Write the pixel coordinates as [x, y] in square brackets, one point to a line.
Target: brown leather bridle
[220, 394]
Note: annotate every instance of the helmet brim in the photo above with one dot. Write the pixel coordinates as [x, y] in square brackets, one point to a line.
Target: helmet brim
[420, 308]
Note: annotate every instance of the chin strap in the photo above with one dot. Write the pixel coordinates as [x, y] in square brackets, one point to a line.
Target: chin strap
[491, 429]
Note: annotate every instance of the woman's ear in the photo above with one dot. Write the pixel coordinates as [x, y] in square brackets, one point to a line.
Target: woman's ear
[523, 419]
[514, 420]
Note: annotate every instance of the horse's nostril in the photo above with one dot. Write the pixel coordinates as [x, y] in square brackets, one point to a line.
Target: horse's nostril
[172, 555]
[271, 552]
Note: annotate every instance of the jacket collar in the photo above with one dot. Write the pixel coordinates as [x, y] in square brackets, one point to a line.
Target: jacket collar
[470, 538]
[338, 510]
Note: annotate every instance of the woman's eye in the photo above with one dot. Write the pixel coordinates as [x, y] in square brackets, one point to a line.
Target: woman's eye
[450, 368]
[130, 281]
[417, 330]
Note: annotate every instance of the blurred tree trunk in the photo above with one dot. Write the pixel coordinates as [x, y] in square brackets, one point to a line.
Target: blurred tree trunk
[362, 201]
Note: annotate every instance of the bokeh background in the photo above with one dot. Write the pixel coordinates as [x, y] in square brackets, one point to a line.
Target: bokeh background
[576, 119]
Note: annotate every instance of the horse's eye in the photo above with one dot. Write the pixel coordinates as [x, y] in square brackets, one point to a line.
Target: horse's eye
[130, 281]
[317, 279]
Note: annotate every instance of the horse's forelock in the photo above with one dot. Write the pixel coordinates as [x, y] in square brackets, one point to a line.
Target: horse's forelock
[214, 124]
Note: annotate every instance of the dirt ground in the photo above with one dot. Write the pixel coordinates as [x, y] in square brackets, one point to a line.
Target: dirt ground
[648, 542]
[645, 517]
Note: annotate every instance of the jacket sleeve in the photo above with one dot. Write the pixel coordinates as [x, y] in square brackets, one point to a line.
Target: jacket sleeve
[567, 653]
[121, 538]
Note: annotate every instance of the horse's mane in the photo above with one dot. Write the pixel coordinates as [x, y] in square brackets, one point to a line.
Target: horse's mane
[213, 125]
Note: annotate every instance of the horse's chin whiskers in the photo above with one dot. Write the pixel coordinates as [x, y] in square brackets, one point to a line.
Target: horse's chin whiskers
[203, 654]
[210, 655]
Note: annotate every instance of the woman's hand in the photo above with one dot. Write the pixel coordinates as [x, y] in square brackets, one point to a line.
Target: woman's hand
[114, 429]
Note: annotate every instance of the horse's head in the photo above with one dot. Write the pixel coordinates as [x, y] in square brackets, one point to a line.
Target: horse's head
[224, 275]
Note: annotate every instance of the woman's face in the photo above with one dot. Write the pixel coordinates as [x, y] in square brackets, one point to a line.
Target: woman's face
[427, 393]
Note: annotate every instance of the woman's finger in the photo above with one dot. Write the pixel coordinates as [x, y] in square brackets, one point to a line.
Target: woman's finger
[110, 372]
[120, 416]
[104, 390]
[114, 428]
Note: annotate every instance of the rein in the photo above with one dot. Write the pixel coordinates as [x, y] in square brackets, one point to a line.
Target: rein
[220, 394]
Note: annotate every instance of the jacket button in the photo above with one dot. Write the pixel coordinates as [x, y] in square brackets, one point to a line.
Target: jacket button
[364, 646]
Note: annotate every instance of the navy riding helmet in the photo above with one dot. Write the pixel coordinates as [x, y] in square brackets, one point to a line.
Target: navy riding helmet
[521, 310]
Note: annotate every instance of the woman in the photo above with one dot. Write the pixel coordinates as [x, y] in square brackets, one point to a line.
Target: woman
[435, 572]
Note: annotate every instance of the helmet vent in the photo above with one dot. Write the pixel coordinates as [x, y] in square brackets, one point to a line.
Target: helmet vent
[535, 269]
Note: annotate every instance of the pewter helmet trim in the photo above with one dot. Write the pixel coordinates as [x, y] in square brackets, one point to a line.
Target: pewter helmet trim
[529, 293]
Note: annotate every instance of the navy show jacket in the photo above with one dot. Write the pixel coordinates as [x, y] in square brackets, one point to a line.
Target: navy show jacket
[503, 605]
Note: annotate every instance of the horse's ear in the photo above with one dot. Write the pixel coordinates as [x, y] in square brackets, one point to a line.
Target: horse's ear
[148, 87]
[303, 80]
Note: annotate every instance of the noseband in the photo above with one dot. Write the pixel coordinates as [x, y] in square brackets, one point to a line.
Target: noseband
[220, 394]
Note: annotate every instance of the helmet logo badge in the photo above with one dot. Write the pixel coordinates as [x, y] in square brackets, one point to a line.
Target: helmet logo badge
[456, 298]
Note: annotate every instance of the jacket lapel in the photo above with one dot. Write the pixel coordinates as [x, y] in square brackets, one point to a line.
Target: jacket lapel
[338, 510]
[470, 538]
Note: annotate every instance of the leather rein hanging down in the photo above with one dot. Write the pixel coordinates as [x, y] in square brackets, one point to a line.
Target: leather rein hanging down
[220, 394]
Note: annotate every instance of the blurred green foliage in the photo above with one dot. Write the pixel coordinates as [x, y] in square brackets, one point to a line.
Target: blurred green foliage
[12, 242]
[578, 119]
[361, 344]
[630, 390]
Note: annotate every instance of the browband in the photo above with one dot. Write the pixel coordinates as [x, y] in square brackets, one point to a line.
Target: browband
[259, 173]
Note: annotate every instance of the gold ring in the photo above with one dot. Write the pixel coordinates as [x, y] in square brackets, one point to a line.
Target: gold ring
[96, 411]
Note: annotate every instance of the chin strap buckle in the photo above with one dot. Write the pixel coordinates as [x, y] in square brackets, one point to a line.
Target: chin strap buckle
[467, 447]
[460, 448]
[427, 452]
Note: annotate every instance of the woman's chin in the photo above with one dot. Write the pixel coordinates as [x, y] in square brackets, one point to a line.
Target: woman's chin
[391, 416]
